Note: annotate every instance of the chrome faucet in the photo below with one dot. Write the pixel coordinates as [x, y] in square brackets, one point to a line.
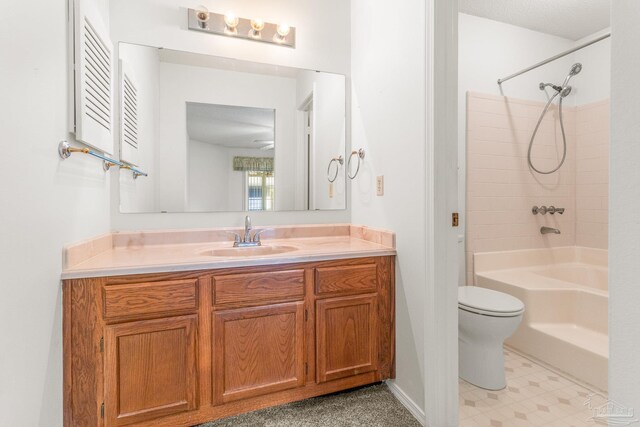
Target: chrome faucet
[549, 230]
[552, 210]
[247, 229]
[246, 240]
[543, 210]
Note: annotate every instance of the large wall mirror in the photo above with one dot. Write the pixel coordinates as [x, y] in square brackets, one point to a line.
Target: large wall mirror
[222, 135]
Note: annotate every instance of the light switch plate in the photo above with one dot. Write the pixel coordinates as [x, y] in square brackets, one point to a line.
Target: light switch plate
[331, 190]
[380, 185]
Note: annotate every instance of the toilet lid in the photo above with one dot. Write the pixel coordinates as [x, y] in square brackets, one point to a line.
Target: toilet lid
[487, 301]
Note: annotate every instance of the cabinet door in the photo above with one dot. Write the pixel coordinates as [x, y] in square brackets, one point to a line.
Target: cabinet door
[258, 351]
[346, 329]
[150, 369]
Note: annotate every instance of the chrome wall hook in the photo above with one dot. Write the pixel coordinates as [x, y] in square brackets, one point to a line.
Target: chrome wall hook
[360, 154]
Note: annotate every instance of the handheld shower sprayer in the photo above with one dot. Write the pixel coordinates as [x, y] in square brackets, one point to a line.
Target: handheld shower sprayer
[575, 69]
[563, 91]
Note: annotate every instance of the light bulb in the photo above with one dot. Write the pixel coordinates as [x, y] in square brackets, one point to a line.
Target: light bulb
[202, 15]
[257, 24]
[231, 20]
[283, 30]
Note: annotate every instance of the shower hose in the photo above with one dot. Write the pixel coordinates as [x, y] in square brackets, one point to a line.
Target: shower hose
[564, 138]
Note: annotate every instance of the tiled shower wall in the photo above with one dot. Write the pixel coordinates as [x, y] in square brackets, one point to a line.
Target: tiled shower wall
[501, 188]
[592, 174]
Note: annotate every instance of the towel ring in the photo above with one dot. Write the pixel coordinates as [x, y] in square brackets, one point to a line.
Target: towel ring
[340, 161]
[360, 154]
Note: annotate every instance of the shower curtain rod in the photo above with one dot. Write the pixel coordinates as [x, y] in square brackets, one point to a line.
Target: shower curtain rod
[553, 58]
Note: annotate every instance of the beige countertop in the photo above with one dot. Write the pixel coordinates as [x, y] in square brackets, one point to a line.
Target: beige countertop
[117, 254]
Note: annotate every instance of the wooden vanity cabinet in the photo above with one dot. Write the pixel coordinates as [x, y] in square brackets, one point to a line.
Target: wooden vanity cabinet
[179, 349]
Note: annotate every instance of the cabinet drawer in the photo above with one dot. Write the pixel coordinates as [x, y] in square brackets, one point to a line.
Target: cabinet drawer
[347, 279]
[145, 299]
[258, 288]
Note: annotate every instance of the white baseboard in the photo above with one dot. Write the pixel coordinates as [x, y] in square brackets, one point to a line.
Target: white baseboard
[406, 401]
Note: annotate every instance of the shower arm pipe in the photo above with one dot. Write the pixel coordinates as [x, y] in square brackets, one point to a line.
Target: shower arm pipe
[553, 58]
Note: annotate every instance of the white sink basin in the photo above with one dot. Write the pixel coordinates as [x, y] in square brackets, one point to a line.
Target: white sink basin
[249, 251]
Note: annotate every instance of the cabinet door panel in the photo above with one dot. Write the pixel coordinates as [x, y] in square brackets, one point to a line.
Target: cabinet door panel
[346, 330]
[150, 369]
[258, 351]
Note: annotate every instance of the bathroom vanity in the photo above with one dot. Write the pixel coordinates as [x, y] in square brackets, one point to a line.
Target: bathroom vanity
[180, 333]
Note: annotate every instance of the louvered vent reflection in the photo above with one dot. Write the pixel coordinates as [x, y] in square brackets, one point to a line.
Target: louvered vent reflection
[129, 112]
[97, 76]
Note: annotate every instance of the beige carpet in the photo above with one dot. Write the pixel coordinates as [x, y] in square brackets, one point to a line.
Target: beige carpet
[372, 406]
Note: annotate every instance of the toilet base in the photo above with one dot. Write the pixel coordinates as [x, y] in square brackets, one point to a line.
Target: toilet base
[482, 365]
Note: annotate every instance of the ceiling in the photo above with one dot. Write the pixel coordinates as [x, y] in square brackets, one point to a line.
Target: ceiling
[571, 19]
[200, 60]
[230, 126]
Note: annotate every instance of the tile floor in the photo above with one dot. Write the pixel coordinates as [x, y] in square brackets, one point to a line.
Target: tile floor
[535, 396]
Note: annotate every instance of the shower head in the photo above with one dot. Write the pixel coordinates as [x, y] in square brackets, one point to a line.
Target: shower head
[575, 69]
[565, 89]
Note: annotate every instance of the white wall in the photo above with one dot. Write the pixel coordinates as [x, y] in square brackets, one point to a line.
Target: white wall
[388, 115]
[46, 203]
[318, 48]
[208, 172]
[624, 227]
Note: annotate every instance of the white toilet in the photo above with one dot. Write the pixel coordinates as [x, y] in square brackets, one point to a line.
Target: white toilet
[485, 319]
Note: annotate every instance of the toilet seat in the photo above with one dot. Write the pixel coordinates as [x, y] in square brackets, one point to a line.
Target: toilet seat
[488, 302]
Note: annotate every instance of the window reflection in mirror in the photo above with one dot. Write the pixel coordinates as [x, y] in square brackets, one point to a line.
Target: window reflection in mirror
[223, 135]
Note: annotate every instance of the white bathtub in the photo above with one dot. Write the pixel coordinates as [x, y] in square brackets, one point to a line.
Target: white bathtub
[566, 298]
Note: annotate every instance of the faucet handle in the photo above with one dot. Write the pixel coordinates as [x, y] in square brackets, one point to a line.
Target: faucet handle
[236, 236]
[542, 210]
[256, 235]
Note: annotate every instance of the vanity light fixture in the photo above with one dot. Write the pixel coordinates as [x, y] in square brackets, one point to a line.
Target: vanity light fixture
[231, 22]
[231, 25]
[282, 31]
[257, 25]
[202, 15]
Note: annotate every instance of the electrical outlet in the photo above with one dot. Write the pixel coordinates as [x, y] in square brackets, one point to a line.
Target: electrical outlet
[331, 190]
[380, 185]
